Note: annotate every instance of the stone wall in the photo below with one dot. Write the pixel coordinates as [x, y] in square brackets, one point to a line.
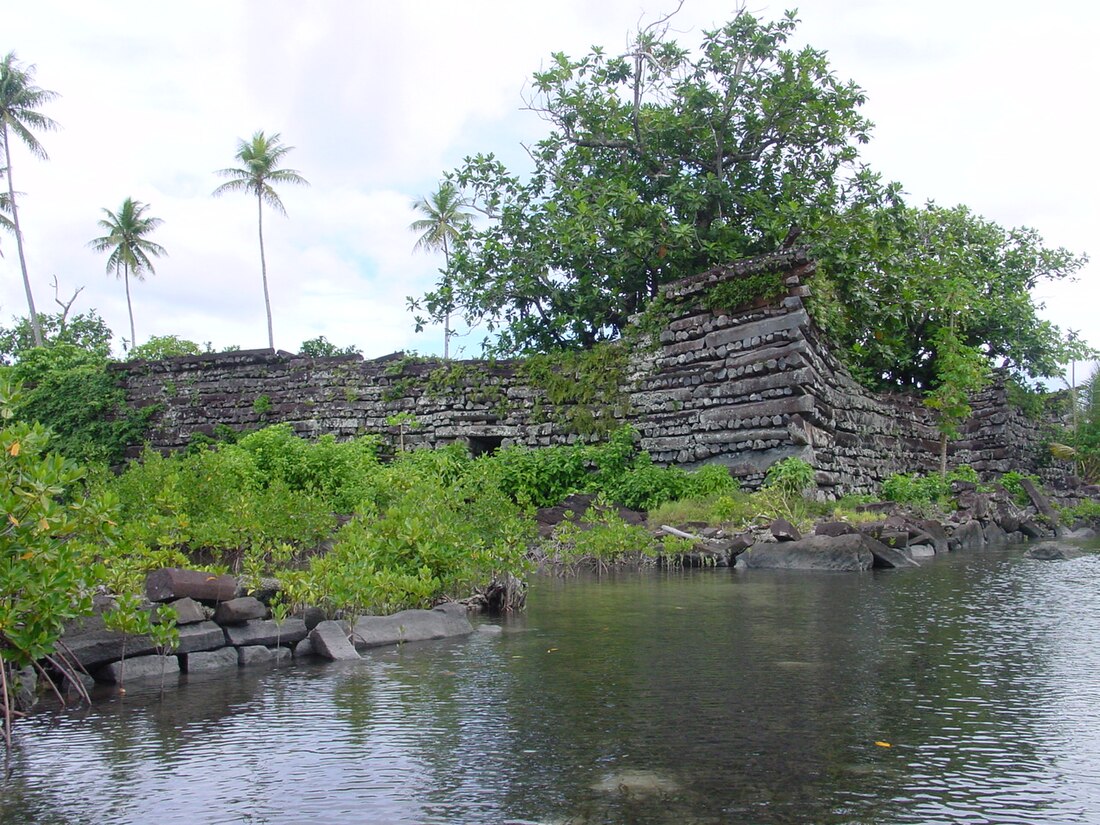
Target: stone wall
[744, 387]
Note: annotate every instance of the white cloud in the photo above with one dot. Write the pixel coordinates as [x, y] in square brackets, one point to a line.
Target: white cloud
[982, 103]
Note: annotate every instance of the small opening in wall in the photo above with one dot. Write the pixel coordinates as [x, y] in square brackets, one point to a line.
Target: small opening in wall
[483, 444]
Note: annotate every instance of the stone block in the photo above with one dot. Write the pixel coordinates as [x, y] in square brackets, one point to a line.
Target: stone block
[411, 626]
[169, 584]
[330, 641]
[841, 553]
[255, 655]
[304, 649]
[265, 632]
[221, 659]
[239, 610]
[201, 636]
[94, 649]
[137, 668]
[188, 611]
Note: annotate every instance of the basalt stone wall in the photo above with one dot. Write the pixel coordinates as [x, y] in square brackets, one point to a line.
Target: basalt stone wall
[345, 396]
[743, 387]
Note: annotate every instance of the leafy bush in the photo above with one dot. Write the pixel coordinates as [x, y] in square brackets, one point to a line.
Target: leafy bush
[915, 489]
[212, 507]
[540, 477]
[1087, 510]
[918, 489]
[70, 391]
[792, 475]
[1011, 481]
[164, 346]
[321, 347]
[430, 538]
[605, 539]
[339, 472]
[52, 531]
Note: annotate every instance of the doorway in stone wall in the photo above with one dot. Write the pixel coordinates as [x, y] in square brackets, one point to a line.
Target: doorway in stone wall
[483, 444]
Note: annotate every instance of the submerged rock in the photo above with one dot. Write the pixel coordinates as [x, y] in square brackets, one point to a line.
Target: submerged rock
[1053, 551]
[637, 782]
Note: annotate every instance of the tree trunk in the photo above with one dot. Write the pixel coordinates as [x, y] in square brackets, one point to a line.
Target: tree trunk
[35, 326]
[943, 455]
[263, 272]
[447, 312]
[129, 306]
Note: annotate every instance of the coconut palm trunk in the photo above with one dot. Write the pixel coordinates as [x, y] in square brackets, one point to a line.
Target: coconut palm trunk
[129, 305]
[35, 326]
[263, 271]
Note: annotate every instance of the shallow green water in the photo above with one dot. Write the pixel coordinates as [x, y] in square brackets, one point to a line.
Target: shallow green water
[697, 697]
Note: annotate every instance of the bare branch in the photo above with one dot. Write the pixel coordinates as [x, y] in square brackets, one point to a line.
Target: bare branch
[66, 306]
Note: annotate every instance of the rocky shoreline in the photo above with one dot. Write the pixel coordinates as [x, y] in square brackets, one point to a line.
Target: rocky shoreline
[223, 626]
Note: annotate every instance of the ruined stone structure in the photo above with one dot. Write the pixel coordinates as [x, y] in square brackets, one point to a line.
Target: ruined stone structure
[744, 386]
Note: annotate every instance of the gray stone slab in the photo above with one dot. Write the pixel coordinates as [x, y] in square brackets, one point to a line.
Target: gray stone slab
[266, 632]
[255, 655]
[98, 648]
[886, 556]
[412, 626]
[331, 641]
[201, 636]
[240, 610]
[139, 668]
[840, 553]
[188, 611]
[220, 659]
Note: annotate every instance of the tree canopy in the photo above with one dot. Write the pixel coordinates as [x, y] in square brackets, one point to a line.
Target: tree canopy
[893, 279]
[662, 162]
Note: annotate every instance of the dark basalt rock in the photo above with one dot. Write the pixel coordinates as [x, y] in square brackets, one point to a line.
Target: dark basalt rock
[844, 553]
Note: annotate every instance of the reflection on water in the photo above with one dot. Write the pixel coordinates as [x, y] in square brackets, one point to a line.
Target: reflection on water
[965, 691]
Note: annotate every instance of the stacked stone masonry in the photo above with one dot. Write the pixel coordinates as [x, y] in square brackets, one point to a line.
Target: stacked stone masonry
[745, 388]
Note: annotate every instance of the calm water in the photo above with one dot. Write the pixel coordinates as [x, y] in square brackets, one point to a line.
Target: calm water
[700, 697]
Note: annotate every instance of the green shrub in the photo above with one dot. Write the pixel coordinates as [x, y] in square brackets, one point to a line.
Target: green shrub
[541, 477]
[792, 475]
[918, 489]
[70, 391]
[338, 472]
[164, 346]
[53, 529]
[431, 538]
[915, 489]
[1011, 481]
[1087, 510]
[605, 539]
[212, 507]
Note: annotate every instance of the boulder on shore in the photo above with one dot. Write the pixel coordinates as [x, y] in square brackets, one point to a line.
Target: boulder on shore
[845, 553]
[412, 626]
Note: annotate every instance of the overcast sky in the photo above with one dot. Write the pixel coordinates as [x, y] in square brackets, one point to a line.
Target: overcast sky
[991, 104]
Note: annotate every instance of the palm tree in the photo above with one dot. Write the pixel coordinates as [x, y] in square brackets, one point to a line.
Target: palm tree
[19, 102]
[5, 213]
[261, 157]
[130, 249]
[442, 224]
